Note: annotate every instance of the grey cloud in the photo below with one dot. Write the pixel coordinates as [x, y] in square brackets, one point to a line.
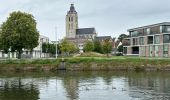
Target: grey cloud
[111, 17]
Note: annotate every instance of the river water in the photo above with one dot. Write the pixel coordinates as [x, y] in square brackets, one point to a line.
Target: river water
[85, 86]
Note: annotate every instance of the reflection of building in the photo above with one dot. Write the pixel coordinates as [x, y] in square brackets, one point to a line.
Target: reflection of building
[151, 41]
[154, 85]
[71, 86]
[75, 34]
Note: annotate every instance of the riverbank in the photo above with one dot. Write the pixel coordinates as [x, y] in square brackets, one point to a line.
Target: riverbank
[88, 64]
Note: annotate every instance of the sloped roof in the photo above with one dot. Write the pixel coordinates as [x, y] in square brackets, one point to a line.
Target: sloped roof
[100, 38]
[85, 31]
[163, 23]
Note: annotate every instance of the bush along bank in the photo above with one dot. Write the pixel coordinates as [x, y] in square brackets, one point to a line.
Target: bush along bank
[87, 64]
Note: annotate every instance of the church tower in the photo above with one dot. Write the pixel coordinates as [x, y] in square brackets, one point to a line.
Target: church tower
[71, 22]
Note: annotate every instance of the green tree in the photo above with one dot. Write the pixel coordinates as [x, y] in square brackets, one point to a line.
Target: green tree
[67, 47]
[97, 47]
[120, 48]
[49, 48]
[52, 49]
[19, 32]
[89, 46]
[107, 46]
[122, 36]
[45, 48]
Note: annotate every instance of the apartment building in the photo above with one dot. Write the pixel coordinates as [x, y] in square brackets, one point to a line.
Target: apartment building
[148, 41]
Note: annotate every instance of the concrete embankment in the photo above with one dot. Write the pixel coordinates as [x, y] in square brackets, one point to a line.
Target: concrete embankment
[87, 64]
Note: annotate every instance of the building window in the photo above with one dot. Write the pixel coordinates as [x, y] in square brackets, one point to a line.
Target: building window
[76, 19]
[141, 40]
[150, 39]
[165, 50]
[165, 29]
[161, 29]
[135, 41]
[125, 50]
[147, 31]
[166, 38]
[134, 33]
[69, 19]
[157, 39]
[71, 26]
[72, 19]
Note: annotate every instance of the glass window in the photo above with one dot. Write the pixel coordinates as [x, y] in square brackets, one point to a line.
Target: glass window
[141, 40]
[72, 19]
[161, 29]
[166, 29]
[69, 19]
[157, 39]
[150, 39]
[148, 30]
[166, 38]
[135, 41]
[134, 33]
[165, 49]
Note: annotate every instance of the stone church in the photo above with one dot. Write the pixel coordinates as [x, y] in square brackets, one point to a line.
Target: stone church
[75, 34]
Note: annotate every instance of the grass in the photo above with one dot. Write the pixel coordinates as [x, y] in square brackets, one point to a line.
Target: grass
[88, 63]
[115, 59]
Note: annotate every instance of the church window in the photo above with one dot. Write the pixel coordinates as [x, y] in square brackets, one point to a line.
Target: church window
[69, 19]
[71, 26]
[72, 19]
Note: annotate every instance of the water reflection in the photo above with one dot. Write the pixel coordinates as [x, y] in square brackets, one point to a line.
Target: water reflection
[85, 86]
[15, 89]
[155, 86]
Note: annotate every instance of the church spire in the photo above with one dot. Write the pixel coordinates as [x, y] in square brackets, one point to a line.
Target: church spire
[71, 22]
[72, 9]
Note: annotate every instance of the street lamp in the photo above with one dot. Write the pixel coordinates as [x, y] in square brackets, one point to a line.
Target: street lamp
[56, 41]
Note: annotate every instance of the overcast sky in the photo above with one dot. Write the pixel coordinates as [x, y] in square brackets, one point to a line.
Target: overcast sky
[109, 17]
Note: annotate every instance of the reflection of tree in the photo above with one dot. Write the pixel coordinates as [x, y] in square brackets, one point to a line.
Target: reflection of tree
[16, 90]
[71, 86]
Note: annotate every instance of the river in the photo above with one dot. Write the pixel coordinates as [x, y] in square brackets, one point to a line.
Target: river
[85, 86]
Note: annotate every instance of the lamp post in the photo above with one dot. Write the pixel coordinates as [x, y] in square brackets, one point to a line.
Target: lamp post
[56, 41]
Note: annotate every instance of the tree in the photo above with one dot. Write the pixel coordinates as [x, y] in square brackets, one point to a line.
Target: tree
[19, 32]
[67, 47]
[120, 48]
[107, 47]
[89, 46]
[45, 48]
[97, 47]
[49, 48]
[122, 36]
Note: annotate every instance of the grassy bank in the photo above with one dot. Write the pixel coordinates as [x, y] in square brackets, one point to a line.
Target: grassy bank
[88, 63]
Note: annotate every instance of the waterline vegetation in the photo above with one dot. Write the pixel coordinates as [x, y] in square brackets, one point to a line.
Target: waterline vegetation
[89, 64]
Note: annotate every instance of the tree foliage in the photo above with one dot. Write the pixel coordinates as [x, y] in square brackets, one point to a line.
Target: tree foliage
[19, 32]
[120, 48]
[98, 47]
[67, 47]
[107, 46]
[122, 36]
[49, 48]
[89, 46]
